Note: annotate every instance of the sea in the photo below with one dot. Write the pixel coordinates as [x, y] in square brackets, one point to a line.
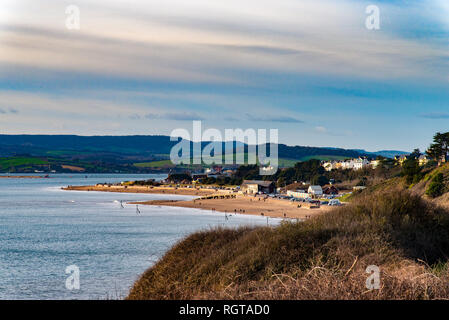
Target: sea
[77, 245]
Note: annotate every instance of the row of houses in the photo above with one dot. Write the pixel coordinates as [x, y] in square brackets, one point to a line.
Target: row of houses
[422, 159]
[352, 164]
[361, 163]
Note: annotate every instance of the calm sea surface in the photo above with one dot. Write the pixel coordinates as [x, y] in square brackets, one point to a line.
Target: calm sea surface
[44, 229]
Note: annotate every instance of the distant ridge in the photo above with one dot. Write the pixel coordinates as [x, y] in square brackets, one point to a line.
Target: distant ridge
[142, 146]
[384, 153]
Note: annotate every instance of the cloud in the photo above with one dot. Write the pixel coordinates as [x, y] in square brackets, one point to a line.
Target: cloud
[272, 118]
[222, 60]
[9, 110]
[204, 41]
[321, 129]
[435, 115]
[181, 116]
[326, 131]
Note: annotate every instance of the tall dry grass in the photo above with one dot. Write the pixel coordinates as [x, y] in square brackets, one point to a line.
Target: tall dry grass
[322, 258]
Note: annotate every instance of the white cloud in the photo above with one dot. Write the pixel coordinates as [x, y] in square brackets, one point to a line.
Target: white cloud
[321, 129]
[201, 41]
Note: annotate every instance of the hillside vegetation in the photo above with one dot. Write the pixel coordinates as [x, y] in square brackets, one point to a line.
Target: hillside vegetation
[13, 162]
[434, 186]
[325, 257]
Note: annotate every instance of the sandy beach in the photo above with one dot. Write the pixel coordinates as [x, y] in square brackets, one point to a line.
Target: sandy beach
[239, 204]
[275, 208]
[22, 177]
[144, 189]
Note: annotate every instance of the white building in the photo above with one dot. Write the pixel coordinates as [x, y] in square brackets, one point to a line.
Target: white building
[347, 165]
[328, 166]
[360, 163]
[353, 164]
[315, 191]
[374, 163]
[298, 194]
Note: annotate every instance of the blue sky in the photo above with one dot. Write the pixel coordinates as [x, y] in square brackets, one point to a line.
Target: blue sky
[309, 68]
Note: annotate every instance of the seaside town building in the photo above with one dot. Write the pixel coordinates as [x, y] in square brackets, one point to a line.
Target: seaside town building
[315, 191]
[375, 163]
[312, 192]
[330, 190]
[256, 186]
[298, 194]
[352, 164]
[400, 159]
[423, 160]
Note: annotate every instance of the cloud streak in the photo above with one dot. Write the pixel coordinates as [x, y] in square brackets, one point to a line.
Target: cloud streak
[8, 111]
[272, 118]
[139, 66]
[435, 115]
[180, 116]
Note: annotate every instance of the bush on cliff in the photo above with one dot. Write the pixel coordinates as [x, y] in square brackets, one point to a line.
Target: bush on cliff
[322, 258]
[436, 186]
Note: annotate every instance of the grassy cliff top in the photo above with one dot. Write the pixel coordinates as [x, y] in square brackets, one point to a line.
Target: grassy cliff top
[325, 257]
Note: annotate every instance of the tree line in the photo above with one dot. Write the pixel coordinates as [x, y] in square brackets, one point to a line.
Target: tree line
[439, 149]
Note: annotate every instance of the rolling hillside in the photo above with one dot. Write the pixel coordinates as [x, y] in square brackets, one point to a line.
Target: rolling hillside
[129, 145]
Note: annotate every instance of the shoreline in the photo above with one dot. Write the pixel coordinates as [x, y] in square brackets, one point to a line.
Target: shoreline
[225, 201]
[22, 177]
[144, 189]
[245, 205]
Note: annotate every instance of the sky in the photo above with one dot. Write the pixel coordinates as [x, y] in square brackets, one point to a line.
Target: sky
[309, 68]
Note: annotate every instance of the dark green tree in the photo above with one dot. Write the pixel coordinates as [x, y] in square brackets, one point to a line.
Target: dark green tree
[411, 170]
[416, 153]
[439, 149]
[319, 180]
[436, 187]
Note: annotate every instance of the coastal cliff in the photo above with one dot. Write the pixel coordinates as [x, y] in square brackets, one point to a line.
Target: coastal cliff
[402, 234]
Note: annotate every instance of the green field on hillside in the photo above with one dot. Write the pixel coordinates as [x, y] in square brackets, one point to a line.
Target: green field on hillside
[154, 164]
[6, 163]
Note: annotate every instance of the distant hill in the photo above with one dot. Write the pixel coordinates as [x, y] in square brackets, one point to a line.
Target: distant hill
[130, 153]
[67, 144]
[385, 153]
[41, 145]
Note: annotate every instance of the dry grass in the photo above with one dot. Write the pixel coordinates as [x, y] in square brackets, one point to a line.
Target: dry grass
[322, 258]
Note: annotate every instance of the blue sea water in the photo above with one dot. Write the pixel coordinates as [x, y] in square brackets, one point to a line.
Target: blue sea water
[44, 229]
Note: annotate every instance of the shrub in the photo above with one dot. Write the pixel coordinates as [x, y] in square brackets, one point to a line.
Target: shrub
[436, 187]
[411, 171]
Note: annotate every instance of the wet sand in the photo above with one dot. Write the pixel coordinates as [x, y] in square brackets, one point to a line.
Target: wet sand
[275, 208]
